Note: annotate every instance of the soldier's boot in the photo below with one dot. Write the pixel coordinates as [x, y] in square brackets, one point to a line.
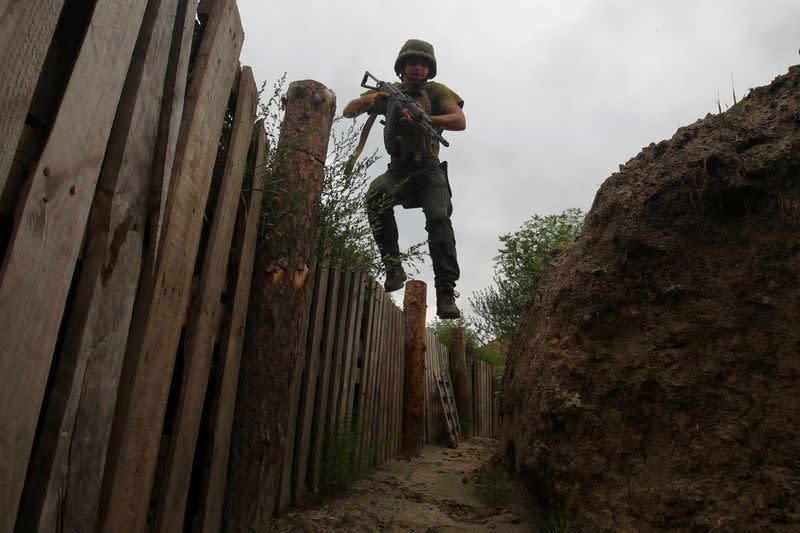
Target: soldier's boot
[446, 303]
[395, 278]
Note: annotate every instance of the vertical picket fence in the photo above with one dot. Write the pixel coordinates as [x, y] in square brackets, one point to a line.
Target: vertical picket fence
[485, 402]
[127, 243]
[437, 362]
[349, 400]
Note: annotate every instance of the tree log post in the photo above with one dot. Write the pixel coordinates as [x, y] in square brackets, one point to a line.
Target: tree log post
[414, 308]
[278, 300]
[461, 382]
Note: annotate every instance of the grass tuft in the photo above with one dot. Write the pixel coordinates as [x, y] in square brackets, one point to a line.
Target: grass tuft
[342, 463]
[559, 521]
[494, 488]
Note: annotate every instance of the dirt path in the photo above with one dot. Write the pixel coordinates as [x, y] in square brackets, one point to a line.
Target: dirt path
[435, 492]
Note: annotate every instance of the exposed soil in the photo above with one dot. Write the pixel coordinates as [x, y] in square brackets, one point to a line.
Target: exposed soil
[434, 492]
[655, 384]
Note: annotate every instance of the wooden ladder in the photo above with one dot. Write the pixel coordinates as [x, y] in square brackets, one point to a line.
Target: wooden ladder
[447, 398]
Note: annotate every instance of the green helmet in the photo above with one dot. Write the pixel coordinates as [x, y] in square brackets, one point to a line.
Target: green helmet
[418, 48]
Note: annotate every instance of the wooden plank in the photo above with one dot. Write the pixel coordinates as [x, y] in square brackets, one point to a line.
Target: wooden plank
[37, 271]
[359, 358]
[210, 515]
[381, 385]
[171, 117]
[392, 404]
[344, 405]
[306, 362]
[366, 369]
[399, 370]
[338, 346]
[203, 322]
[374, 380]
[324, 320]
[387, 383]
[377, 387]
[63, 489]
[164, 292]
[325, 410]
[26, 29]
[366, 373]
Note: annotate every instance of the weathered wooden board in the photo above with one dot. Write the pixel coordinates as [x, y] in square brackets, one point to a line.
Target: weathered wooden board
[164, 293]
[284, 493]
[26, 29]
[324, 410]
[203, 323]
[375, 429]
[171, 117]
[210, 515]
[63, 488]
[327, 298]
[37, 271]
[344, 405]
[365, 384]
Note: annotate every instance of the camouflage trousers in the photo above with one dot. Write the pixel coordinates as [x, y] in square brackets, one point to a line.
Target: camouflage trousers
[415, 184]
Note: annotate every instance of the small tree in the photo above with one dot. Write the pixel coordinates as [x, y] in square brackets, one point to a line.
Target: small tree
[525, 255]
[475, 349]
[342, 232]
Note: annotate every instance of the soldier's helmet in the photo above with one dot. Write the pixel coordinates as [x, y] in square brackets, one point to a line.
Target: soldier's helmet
[416, 48]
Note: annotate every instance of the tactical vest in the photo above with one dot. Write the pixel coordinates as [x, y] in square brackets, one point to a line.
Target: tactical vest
[411, 142]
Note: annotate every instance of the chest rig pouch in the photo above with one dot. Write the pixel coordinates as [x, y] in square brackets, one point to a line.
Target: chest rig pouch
[411, 142]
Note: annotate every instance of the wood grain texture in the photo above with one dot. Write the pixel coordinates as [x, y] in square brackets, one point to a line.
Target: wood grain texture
[344, 405]
[277, 301]
[210, 515]
[171, 117]
[203, 322]
[63, 488]
[327, 293]
[164, 292]
[37, 271]
[26, 29]
[324, 410]
[414, 308]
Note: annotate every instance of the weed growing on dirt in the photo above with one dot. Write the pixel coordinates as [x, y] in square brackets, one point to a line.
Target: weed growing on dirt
[560, 521]
[341, 232]
[494, 488]
[342, 463]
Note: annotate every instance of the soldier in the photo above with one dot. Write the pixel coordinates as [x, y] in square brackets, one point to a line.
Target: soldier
[415, 177]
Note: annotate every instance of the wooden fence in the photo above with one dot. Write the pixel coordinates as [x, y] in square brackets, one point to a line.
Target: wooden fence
[128, 226]
[350, 398]
[437, 362]
[127, 245]
[485, 402]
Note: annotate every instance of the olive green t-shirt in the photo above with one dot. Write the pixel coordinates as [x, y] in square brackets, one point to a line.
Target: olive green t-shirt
[411, 141]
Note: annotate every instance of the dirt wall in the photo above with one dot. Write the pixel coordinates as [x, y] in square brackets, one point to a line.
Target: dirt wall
[655, 380]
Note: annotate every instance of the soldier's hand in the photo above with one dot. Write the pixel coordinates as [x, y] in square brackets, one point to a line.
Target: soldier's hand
[407, 114]
[377, 102]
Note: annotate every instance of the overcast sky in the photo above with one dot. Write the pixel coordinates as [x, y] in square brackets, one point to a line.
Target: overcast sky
[557, 94]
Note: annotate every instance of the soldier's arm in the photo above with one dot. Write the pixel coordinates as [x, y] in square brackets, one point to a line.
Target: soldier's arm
[370, 102]
[452, 119]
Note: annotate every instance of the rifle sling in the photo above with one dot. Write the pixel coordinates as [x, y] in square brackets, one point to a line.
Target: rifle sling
[348, 169]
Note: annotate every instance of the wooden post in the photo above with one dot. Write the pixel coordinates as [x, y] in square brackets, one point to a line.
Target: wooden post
[461, 385]
[277, 302]
[414, 308]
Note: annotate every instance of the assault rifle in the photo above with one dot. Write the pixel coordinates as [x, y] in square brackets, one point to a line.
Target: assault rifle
[398, 101]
